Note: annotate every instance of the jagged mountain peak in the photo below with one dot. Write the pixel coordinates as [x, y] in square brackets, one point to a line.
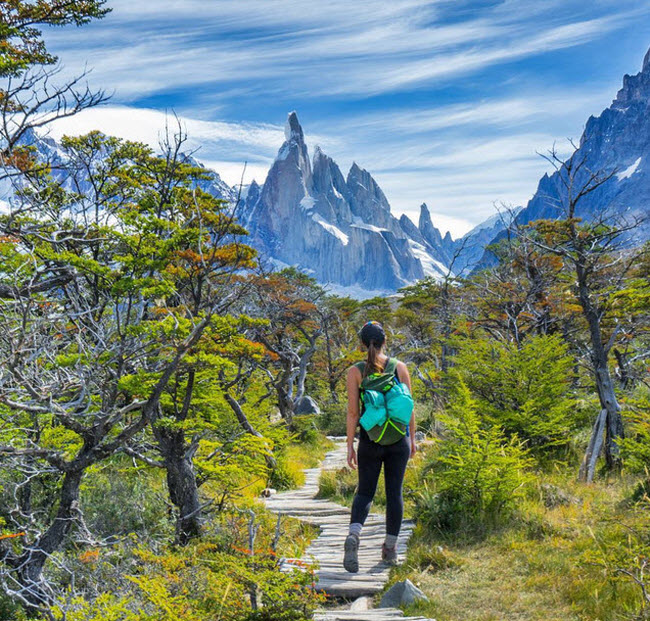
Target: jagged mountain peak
[339, 229]
[615, 143]
[319, 154]
[636, 88]
[367, 199]
[293, 129]
[428, 230]
[425, 217]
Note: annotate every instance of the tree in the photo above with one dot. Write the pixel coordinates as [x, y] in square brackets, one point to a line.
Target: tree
[100, 311]
[522, 295]
[336, 315]
[29, 96]
[288, 301]
[20, 21]
[523, 389]
[598, 257]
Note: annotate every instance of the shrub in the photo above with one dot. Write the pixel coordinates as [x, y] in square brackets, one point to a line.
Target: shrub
[332, 419]
[217, 577]
[526, 390]
[475, 475]
[287, 474]
[635, 448]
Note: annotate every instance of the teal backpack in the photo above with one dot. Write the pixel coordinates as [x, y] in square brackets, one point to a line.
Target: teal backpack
[387, 404]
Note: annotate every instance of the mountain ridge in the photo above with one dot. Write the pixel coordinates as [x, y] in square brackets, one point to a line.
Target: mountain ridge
[616, 143]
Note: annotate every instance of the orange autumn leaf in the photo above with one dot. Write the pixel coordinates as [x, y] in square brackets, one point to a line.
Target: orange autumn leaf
[12, 536]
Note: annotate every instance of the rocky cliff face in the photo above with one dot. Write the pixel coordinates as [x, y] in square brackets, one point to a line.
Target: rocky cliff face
[338, 229]
[617, 142]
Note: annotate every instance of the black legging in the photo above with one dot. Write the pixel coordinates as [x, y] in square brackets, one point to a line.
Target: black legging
[370, 457]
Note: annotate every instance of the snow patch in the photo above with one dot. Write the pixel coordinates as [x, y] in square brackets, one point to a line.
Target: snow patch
[360, 224]
[330, 228]
[357, 291]
[629, 171]
[283, 153]
[430, 266]
[307, 202]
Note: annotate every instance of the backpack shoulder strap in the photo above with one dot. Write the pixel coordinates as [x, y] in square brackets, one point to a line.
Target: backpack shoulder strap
[391, 367]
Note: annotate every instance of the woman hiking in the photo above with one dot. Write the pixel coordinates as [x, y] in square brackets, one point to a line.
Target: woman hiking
[379, 400]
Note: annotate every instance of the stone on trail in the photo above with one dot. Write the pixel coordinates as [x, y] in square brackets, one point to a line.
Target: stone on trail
[402, 593]
[305, 405]
[361, 603]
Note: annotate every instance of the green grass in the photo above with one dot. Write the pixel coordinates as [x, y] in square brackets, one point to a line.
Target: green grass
[554, 563]
[296, 457]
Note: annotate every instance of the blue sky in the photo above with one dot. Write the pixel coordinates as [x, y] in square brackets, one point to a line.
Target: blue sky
[444, 102]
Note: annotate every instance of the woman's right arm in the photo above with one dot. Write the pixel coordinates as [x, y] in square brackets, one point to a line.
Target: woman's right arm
[353, 413]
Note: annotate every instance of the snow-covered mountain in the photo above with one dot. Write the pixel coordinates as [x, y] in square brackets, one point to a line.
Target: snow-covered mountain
[308, 215]
[339, 229]
[617, 141]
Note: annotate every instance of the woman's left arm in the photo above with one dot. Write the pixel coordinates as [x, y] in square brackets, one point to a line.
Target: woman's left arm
[405, 377]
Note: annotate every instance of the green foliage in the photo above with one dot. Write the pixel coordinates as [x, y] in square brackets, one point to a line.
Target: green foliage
[623, 552]
[138, 491]
[332, 419]
[635, 448]
[474, 476]
[341, 485]
[9, 610]
[201, 582]
[294, 457]
[20, 38]
[525, 390]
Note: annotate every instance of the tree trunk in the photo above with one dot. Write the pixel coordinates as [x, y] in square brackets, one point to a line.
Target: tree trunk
[181, 483]
[30, 564]
[588, 466]
[624, 376]
[304, 363]
[284, 388]
[246, 425]
[604, 383]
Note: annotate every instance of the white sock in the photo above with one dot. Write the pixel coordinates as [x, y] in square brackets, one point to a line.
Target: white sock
[355, 529]
[390, 541]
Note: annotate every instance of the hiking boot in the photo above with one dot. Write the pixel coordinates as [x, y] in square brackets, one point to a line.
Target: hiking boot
[389, 555]
[351, 555]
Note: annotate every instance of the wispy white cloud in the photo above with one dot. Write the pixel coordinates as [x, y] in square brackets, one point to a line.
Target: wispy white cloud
[320, 49]
[490, 114]
[436, 130]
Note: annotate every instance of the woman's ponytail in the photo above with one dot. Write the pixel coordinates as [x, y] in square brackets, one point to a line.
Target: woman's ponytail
[373, 337]
[372, 364]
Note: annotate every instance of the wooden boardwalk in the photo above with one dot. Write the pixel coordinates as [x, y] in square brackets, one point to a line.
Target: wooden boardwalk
[327, 549]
